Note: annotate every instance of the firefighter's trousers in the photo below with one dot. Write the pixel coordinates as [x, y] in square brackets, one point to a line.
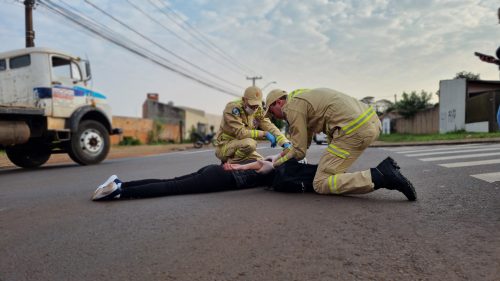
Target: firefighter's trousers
[341, 153]
[237, 151]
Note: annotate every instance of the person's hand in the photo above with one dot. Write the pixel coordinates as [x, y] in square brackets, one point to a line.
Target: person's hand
[287, 145]
[266, 168]
[272, 158]
[270, 137]
[229, 167]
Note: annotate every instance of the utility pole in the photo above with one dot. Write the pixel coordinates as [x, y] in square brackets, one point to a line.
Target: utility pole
[253, 79]
[28, 17]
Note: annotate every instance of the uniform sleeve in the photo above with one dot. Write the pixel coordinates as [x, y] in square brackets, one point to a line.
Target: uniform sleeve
[309, 138]
[297, 120]
[267, 125]
[235, 126]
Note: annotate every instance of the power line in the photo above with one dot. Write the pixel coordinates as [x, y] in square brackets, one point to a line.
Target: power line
[201, 38]
[160, 46]
[233, 68]
[93, 27]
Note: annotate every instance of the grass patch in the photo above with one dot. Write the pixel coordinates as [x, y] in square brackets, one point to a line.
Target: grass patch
[431, 137]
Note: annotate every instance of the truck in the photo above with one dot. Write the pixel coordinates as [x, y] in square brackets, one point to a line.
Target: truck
[46, 107]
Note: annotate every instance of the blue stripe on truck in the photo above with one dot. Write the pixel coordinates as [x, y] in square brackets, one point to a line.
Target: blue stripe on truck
[46, 92]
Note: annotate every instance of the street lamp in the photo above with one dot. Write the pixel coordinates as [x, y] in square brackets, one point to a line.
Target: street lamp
[267, 85]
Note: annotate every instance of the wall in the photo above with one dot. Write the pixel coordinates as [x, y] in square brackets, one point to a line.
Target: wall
[165, 113]
[192, 118]
[140, 128]
[213, 120]
[452, 94]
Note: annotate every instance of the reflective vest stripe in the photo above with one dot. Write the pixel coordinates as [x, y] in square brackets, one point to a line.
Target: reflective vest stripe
[224, 150]
[283, 159]
[333, 187]
[337, 151]
[240, 154]
[227, 137]
[297, 92]
[351, 127]
[255, 134]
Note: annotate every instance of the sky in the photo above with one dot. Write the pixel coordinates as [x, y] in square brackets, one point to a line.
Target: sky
[378, 48]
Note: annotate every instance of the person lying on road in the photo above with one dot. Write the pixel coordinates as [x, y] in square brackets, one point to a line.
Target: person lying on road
[292, 176]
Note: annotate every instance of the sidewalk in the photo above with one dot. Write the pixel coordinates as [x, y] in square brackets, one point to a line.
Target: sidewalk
[114, 153]
[143, 150]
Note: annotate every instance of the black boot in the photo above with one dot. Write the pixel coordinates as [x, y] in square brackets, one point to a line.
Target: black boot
[387, 175]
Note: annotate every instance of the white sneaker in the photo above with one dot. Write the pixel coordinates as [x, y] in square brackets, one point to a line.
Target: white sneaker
[110, 189]
[303, 161]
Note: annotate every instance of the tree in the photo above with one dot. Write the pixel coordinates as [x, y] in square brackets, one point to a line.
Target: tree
[412, 103]
[466, 75]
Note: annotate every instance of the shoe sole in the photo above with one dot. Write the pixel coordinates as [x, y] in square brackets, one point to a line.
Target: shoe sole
[105, 189]
[408, 190]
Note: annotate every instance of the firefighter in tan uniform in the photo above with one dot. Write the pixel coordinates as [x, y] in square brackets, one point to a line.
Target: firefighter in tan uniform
[351, 126]
[236, 140]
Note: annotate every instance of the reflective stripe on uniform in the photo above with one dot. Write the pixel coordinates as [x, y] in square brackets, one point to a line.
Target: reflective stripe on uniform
[337, 151]
[240, 154]
[224, 150]
[297, 92]
[283, 159]
[280, 138]
[333, 187]
[351, 127]
[227, 137]
[255, 134]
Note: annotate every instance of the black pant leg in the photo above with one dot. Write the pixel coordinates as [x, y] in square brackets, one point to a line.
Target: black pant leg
[208, 179]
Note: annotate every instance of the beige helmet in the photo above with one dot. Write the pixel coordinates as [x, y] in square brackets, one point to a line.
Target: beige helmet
[253, 95]
[273, 96]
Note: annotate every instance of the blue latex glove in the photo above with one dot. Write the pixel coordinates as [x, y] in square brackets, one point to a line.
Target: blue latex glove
[271, 138]
[287, 145]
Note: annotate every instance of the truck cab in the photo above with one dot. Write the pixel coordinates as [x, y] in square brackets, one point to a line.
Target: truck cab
[47, 107]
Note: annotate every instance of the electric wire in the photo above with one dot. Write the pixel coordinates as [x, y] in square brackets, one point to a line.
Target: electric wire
[95, 29]
[201, 38]
[230, 65]
[161, 46]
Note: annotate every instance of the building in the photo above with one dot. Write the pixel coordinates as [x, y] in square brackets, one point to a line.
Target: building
[382, 105]
[187, 119]
[469, 105]
[201, 122]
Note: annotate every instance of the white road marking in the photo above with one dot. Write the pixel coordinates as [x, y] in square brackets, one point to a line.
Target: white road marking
[459, 156]
[489, 148]
[470, 163]
[426, 148]
[489, 177]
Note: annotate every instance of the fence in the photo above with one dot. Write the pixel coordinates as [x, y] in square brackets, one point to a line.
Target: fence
[424, 122]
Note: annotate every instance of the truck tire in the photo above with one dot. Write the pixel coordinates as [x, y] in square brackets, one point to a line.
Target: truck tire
[89, 144]
[28, 155]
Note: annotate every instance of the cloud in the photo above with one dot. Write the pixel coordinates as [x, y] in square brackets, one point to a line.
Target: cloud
[362, 47]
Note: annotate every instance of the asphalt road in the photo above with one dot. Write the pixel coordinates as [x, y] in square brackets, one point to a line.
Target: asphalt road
[50, 230]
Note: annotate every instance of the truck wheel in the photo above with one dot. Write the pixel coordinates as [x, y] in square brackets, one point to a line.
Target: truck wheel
[28, 155]
[90, 144]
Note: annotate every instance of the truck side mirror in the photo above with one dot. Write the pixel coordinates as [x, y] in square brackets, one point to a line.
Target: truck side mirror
[88, 74]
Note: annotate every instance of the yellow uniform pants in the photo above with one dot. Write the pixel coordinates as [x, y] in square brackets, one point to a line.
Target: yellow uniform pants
[341, 153]
[236, 151]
